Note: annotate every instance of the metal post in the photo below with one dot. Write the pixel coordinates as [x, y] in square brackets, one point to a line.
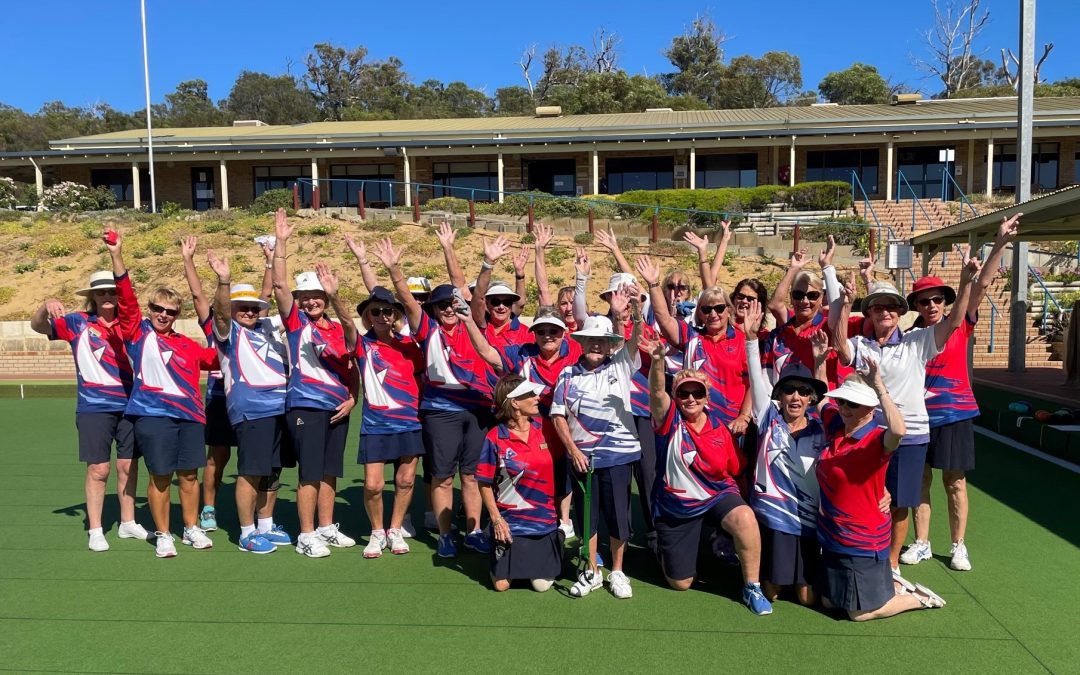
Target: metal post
[360, 202]
[870, 244]
[315, 197]
[416, 207]
[296, 196]
[889, 150]
[592, 226]
[654, 235]
[1025, 102]
[149, 126]
[472, 208]
[795, 245]
[529, 224]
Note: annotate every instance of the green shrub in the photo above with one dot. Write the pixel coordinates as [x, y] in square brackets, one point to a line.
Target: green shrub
[6, 294]
[272, 200]
[68, 197]
[140, 275]
[528, 238]
[557, 254]
[627, 243]
[851, 234]
[64, 268]
[157, 247]
[819, 196]
[24, 267]
[213, 226]
[451, 204]
[170, 209]
[380, 225]
[715, 202]
[583, 238]
[56, 249]
[7, 193]
[91, 230]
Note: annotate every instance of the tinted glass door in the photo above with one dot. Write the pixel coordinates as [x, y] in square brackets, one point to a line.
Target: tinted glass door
[202, 189]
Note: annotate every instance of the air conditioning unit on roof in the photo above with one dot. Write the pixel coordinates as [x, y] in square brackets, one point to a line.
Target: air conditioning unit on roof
[549, 111]
[249, 123]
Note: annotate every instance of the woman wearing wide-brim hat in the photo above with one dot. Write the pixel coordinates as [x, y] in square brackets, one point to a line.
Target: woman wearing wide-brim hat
[104, 381]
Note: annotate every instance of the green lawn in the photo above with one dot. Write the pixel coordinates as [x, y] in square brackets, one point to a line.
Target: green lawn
[63, 608]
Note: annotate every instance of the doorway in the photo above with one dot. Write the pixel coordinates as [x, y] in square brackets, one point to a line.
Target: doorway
[553, 176]
[202, 189]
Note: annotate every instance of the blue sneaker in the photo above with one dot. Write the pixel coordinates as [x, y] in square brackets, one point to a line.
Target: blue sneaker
[256, 543]
[447, 547]
[753, 598]
[277, 536]
[478, 541]
[599, 560]
[208, 519]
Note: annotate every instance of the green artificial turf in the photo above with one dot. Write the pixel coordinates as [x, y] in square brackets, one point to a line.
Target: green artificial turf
[63, 608]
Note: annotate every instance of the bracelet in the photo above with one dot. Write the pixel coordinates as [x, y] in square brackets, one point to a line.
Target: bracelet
[269, 266]
[654, 284]
[519, 276]
[364, 262]
[484, 264]
[224, 282]
[279, 257]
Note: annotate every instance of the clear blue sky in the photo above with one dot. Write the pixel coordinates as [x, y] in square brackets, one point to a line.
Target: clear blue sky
[84, 52]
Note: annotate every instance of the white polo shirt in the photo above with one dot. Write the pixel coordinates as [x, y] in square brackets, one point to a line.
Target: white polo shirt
[903, 360]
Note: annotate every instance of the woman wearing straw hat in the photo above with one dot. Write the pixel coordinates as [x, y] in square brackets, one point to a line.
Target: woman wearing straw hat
[518, 483]
[593, 417]
[697, 463]
[103, 375]
[951, 404]
[390, 365]
[854, 533]
[322, 391]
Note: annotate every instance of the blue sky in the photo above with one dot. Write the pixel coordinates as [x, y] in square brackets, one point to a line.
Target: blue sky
[85, 52]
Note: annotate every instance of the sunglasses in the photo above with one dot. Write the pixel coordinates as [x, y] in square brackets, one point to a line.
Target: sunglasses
[158, 309]
[546, 332]
[678, 287]
[698, 393]
[381, 311]
[443, 305]
[742, 297]
[501, 302]
[709, 309]
[881, 309]
[248, 309]
[934, 300]
[800, 389]
[812, 296]
[847, 404]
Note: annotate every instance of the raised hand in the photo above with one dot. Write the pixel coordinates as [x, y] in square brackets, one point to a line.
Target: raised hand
[55, 308]
[283, 229]
[113, 239]
[582, 265]
[620, 299]
[220, 267]
[754, 315]
[653, 346]
[847, 289]
[826, 256]
[648, 270]
[1009, 228]
[544, 235]
[819, 343]
[699, 243]
[872, 376]
[187, 246]
[866, 268]
[521, 260]
[725, 233]
[357, 246]
[386, 253]
[496, 248]
[327, 278]
[800, 259]
[972, 266]
[606, 238]
[267, 251]
[446, 235]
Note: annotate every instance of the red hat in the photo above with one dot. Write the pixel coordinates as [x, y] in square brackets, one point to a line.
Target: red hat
[928, 283]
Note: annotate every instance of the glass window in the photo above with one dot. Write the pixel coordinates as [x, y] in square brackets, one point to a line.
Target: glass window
[460, 179]
[1044, 166]
[282, 178]
[119, 181]
[838, 165]
[639, 173]
[345, 181]
[717, 171]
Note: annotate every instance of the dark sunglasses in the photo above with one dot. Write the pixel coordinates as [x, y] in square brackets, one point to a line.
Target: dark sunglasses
[501, 302]
[443, 305]
[801, 389]
[548, 331]
[936, 300]
[382, 311]
[248, 309]
[847, 404]
[697, 392]
[158, 309]
[709, 309]
[742, 297]
[678, 287]
[880, 309]
[799, 296]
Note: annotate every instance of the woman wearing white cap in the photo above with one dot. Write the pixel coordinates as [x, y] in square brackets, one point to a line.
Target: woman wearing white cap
[593, 416]
[322, 390]
[854, 532]
[902, 356]
[494, 305]
[519, 483]
[103, 375]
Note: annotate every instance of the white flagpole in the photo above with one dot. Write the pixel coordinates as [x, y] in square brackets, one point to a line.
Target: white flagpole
[149, 130]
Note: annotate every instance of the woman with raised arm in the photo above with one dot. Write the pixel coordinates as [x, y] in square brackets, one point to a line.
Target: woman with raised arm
[790, 438]
[494, 306]
[697, 465]
[103, 384]
[594, 418]
[951, 404]
[710, 271]
[519, 481]
[854, 532]
[455, 407]
[322, 391]
[564, 300]
[165, 406]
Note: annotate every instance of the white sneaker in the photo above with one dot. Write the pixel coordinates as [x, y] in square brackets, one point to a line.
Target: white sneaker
[98, 543]
[196, 538]
[960, 561]
[396, 538]
[568, 531]
[408, 530]
[928, 598]
[132, 530]
[619, 585]
[916, 553]
[312, 546]
[376, 544]
[332, 536]
[165, 547]
[587, 582]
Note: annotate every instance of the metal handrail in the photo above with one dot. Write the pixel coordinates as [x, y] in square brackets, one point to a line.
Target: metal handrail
[1047, 293]
[901, 180]
[888, 228]
[963, 197]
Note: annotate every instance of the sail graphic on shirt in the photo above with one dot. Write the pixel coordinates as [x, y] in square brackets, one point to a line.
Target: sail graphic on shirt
[90, 368]
[375, 387]
[438, 364]
[154, 371]
[254, 369]
[679, 477]
[509, 495]
[310, 368]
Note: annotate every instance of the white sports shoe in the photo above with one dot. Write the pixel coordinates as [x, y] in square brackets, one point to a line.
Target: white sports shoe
[332, 536]
[376, 544]
[165, 547]
[98, 543]
[196, 538]
[587, 582]
[960, 561]
[916, 553]
[619, 585]
[132, 530]
[396, 539]
[312, 546]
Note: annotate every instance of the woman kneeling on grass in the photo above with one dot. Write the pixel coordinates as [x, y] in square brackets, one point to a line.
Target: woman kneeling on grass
[854, 573]
[517, 461]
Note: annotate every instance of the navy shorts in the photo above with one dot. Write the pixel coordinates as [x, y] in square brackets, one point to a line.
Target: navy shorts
[610, 495]
[952, 446]
[855, 583]
[390, 447]
[789, 559]
[98, 431]
[319, 445]
[219, 431]
[168, 444]
[645, 471]
[678, 539]
[453, 440]
[903, 479]
[259, 445]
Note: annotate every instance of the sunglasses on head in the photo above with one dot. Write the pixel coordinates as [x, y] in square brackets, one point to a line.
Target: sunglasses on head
[935, 300]
[709, 309]
[881, 309]
[847, 404]
[799, 296]
[248, 309]
[678, 287]
[800, 389]
[742, 297]
[158, 309]
[381, 311]
[501, 302]
[698, 393]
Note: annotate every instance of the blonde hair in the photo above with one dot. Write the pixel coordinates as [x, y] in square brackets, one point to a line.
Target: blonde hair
[690, 374]
[504, 405]
[808, 278]
[166, 295]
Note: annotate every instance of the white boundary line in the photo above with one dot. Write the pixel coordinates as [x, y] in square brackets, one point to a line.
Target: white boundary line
[1064, 464]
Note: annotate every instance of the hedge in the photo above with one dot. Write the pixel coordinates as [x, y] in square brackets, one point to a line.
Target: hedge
[817, 196]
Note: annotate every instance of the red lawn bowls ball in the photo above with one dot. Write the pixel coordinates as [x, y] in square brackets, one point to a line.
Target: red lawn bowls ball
[110, 238]
[1042, 415]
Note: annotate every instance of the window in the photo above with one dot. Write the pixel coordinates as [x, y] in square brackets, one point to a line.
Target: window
[1044, 166]
[1076, 169]
[639, 173]
[346, 181]
[283, 178]
[838, 165]
[460, 179]
[119, 181]
[716, 171]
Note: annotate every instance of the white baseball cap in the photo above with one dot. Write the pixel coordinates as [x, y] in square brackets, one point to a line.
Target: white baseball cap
[308, 281]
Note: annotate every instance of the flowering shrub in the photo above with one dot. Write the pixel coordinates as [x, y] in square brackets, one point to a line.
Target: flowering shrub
[69, 196]
[7, 193]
